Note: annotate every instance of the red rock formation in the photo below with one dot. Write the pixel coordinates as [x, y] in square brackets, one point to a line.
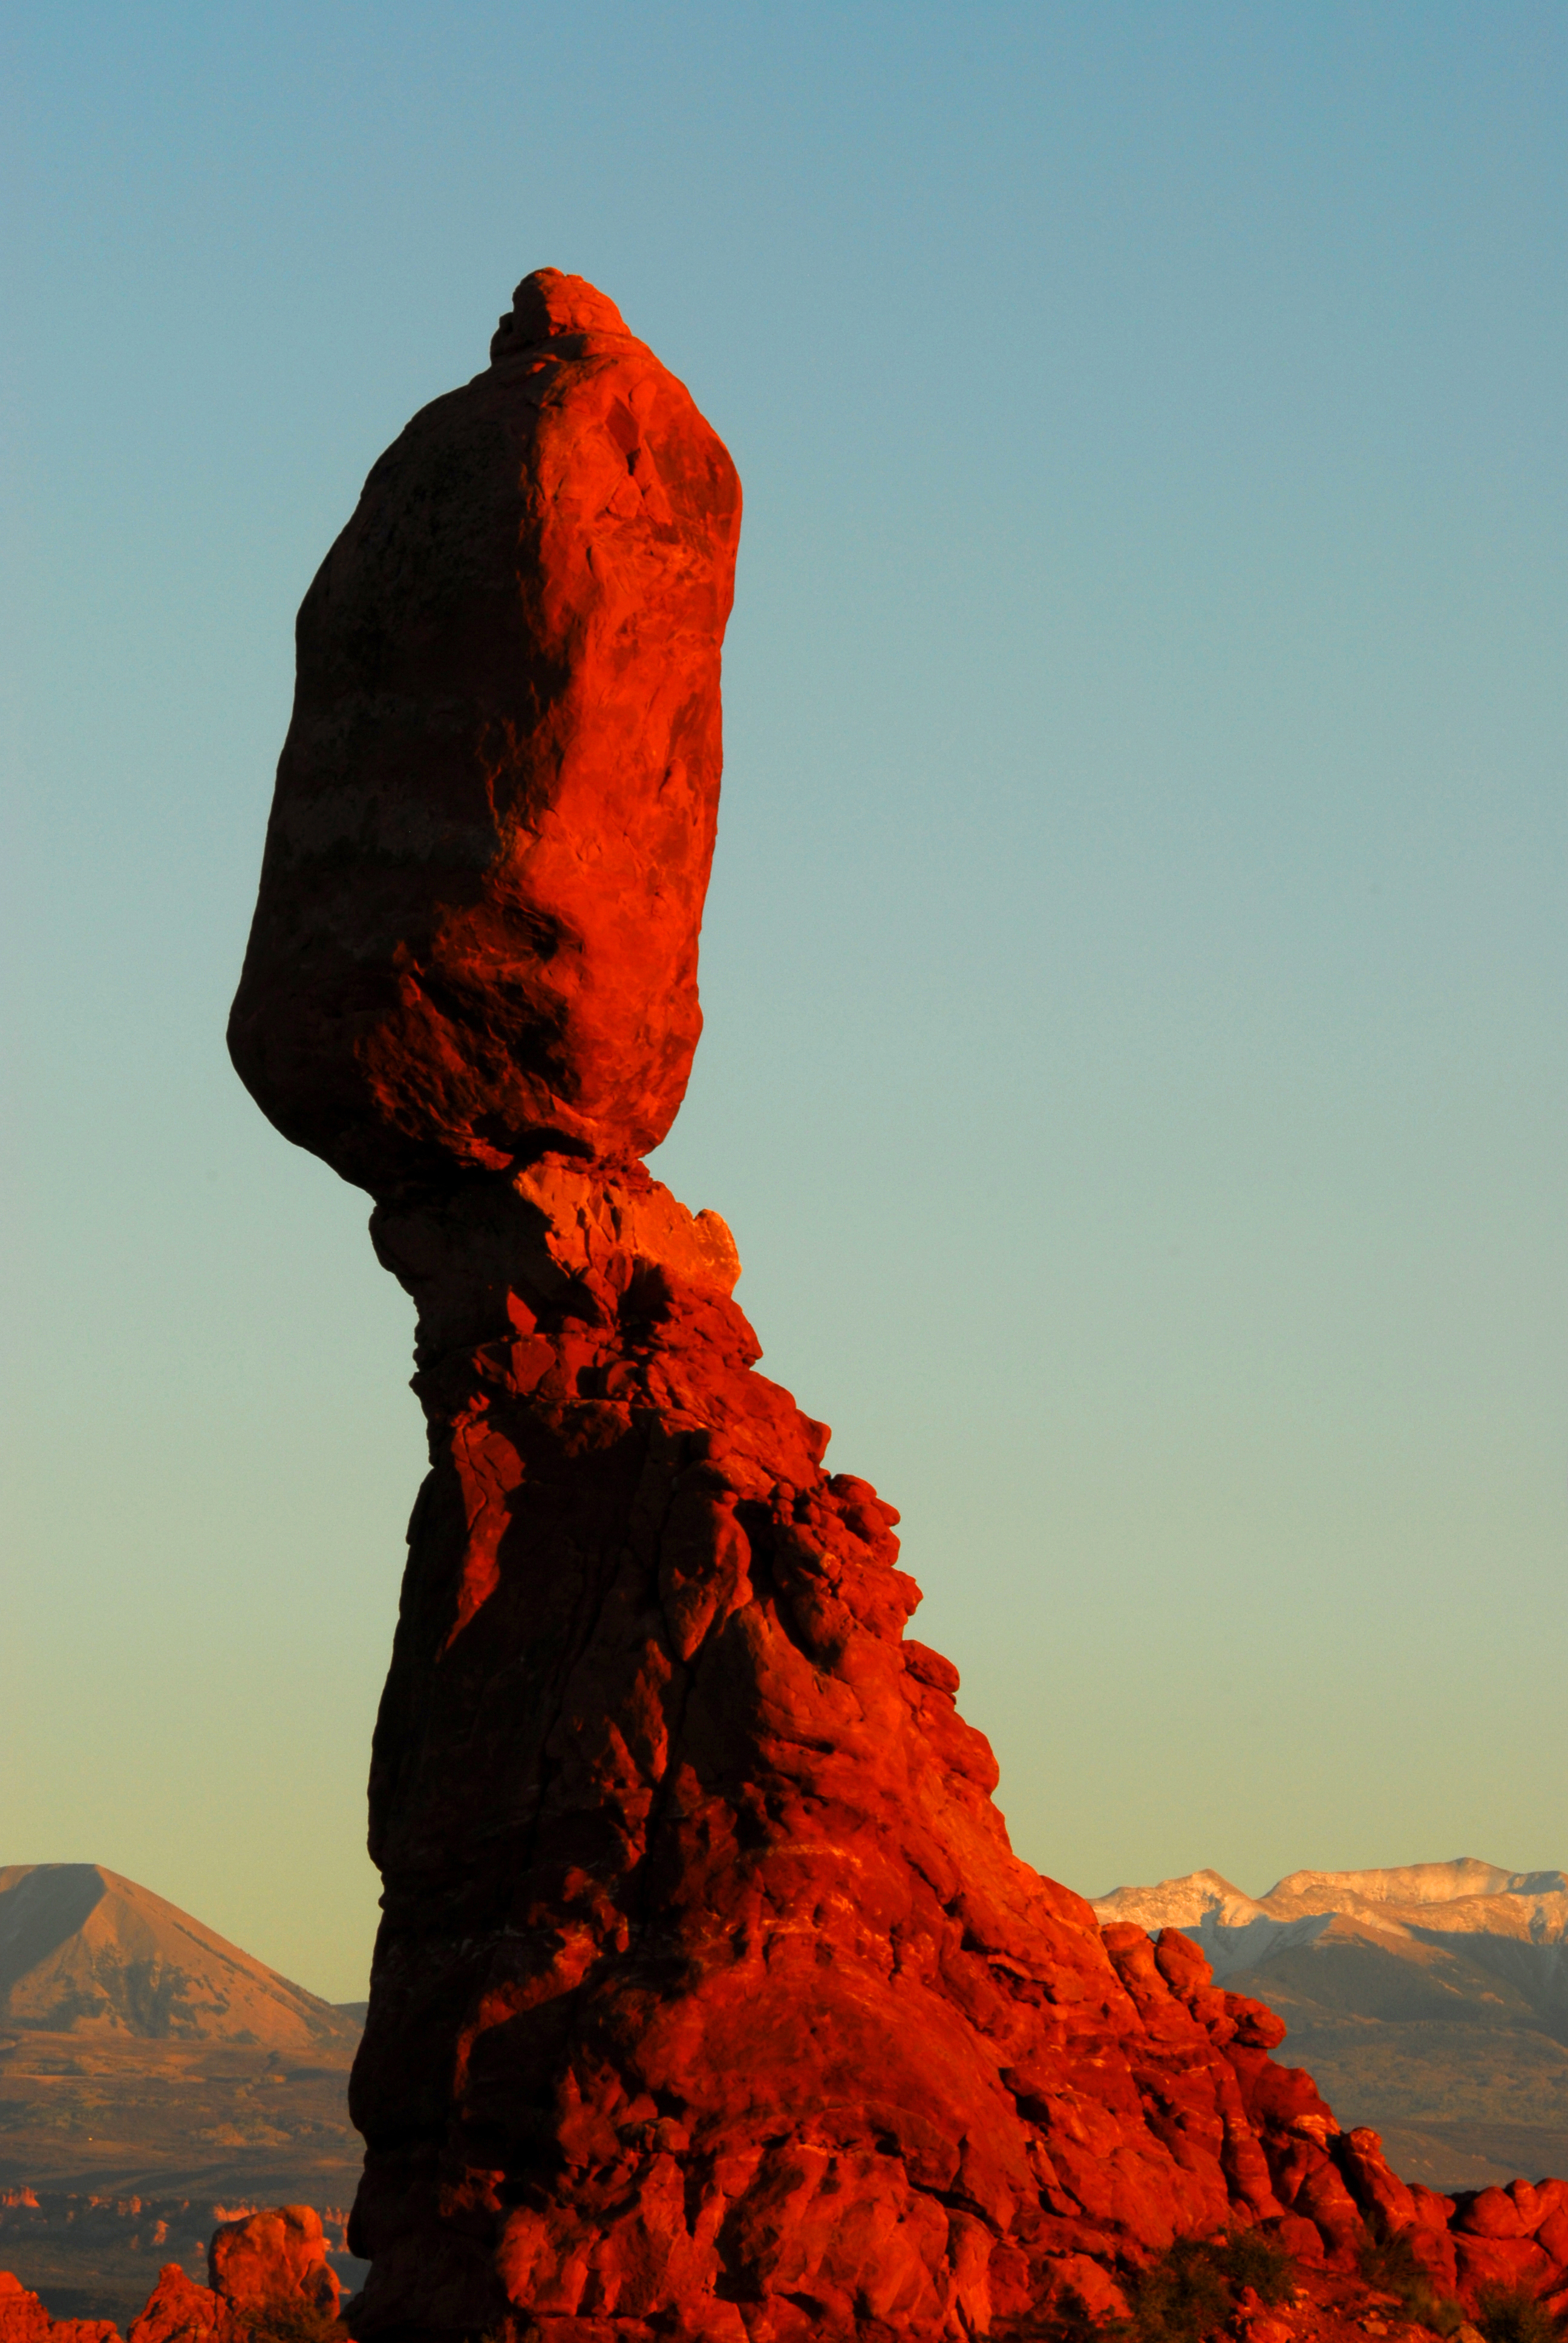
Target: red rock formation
[275, 2256]
[178, 2311]
[272, 2262]
[495, 806]
[22, 2318]
[710, 2000]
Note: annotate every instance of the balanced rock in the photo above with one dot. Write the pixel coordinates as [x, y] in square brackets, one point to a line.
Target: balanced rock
[494, 818]
[709, 2001]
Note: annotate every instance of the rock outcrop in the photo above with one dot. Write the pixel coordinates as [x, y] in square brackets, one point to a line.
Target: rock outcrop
[278, 2255]
[268, 2271]
[710, 2000]
[24, 2319]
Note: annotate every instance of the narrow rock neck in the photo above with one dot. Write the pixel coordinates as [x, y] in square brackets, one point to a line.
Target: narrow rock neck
[605, 1261]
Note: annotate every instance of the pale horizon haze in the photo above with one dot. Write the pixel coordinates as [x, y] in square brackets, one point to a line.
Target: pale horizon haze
[1134, 963]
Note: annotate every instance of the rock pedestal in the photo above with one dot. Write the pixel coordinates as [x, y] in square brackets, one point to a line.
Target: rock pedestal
[709, 1999]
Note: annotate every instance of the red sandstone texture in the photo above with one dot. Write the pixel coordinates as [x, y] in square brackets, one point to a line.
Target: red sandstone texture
[495, 806]
[709, 2002]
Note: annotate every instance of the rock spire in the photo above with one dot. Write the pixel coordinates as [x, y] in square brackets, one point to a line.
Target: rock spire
[709, 2001]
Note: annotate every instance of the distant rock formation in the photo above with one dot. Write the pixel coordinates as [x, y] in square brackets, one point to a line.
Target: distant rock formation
[85, 1952]
[709, 2002]
[272, 2263]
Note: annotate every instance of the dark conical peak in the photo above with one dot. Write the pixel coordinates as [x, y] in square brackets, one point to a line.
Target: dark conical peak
[548, 303]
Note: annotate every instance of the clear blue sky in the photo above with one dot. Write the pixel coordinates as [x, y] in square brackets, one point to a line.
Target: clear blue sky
[1134, 965]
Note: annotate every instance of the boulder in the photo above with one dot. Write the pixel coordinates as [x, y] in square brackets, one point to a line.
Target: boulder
[1432, 2210]
[495, 810]
[1379, 2192]
[1551, 2237]
[1508, 2263]
[277, 2255]
[1490, 2213]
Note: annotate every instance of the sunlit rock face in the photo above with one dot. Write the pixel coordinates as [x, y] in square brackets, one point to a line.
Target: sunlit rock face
[709, 2001]
[495, 812]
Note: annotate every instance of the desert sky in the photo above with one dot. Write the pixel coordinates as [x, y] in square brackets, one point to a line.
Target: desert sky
[1134, 961]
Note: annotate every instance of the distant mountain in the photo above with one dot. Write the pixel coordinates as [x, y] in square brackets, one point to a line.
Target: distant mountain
[84, 1953]
[1430, 2001]
[1443, 1921]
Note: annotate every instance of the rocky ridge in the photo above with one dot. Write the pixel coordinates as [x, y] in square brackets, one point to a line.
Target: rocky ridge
[1516, 1921]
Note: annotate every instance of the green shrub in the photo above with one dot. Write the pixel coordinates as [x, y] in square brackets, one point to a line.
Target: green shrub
[287, 2318]
[1246, 2257]
[1391, 2264]
[1511, 2314]
[1183, 2297]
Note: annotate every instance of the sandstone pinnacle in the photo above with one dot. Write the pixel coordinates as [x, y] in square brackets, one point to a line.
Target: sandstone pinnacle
[711, 2002]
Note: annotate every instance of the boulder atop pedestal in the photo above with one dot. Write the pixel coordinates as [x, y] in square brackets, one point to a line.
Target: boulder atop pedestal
[493, 817]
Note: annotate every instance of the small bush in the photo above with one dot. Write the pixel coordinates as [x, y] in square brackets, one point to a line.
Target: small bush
[1391, 2264]
[1069, 2320]
[1511, 2314]
[1183, 2297]
[288, 2319]
[1246, 2257]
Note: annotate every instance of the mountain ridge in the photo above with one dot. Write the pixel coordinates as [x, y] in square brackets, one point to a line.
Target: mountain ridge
[1513, 1924]
[1430, 2001]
